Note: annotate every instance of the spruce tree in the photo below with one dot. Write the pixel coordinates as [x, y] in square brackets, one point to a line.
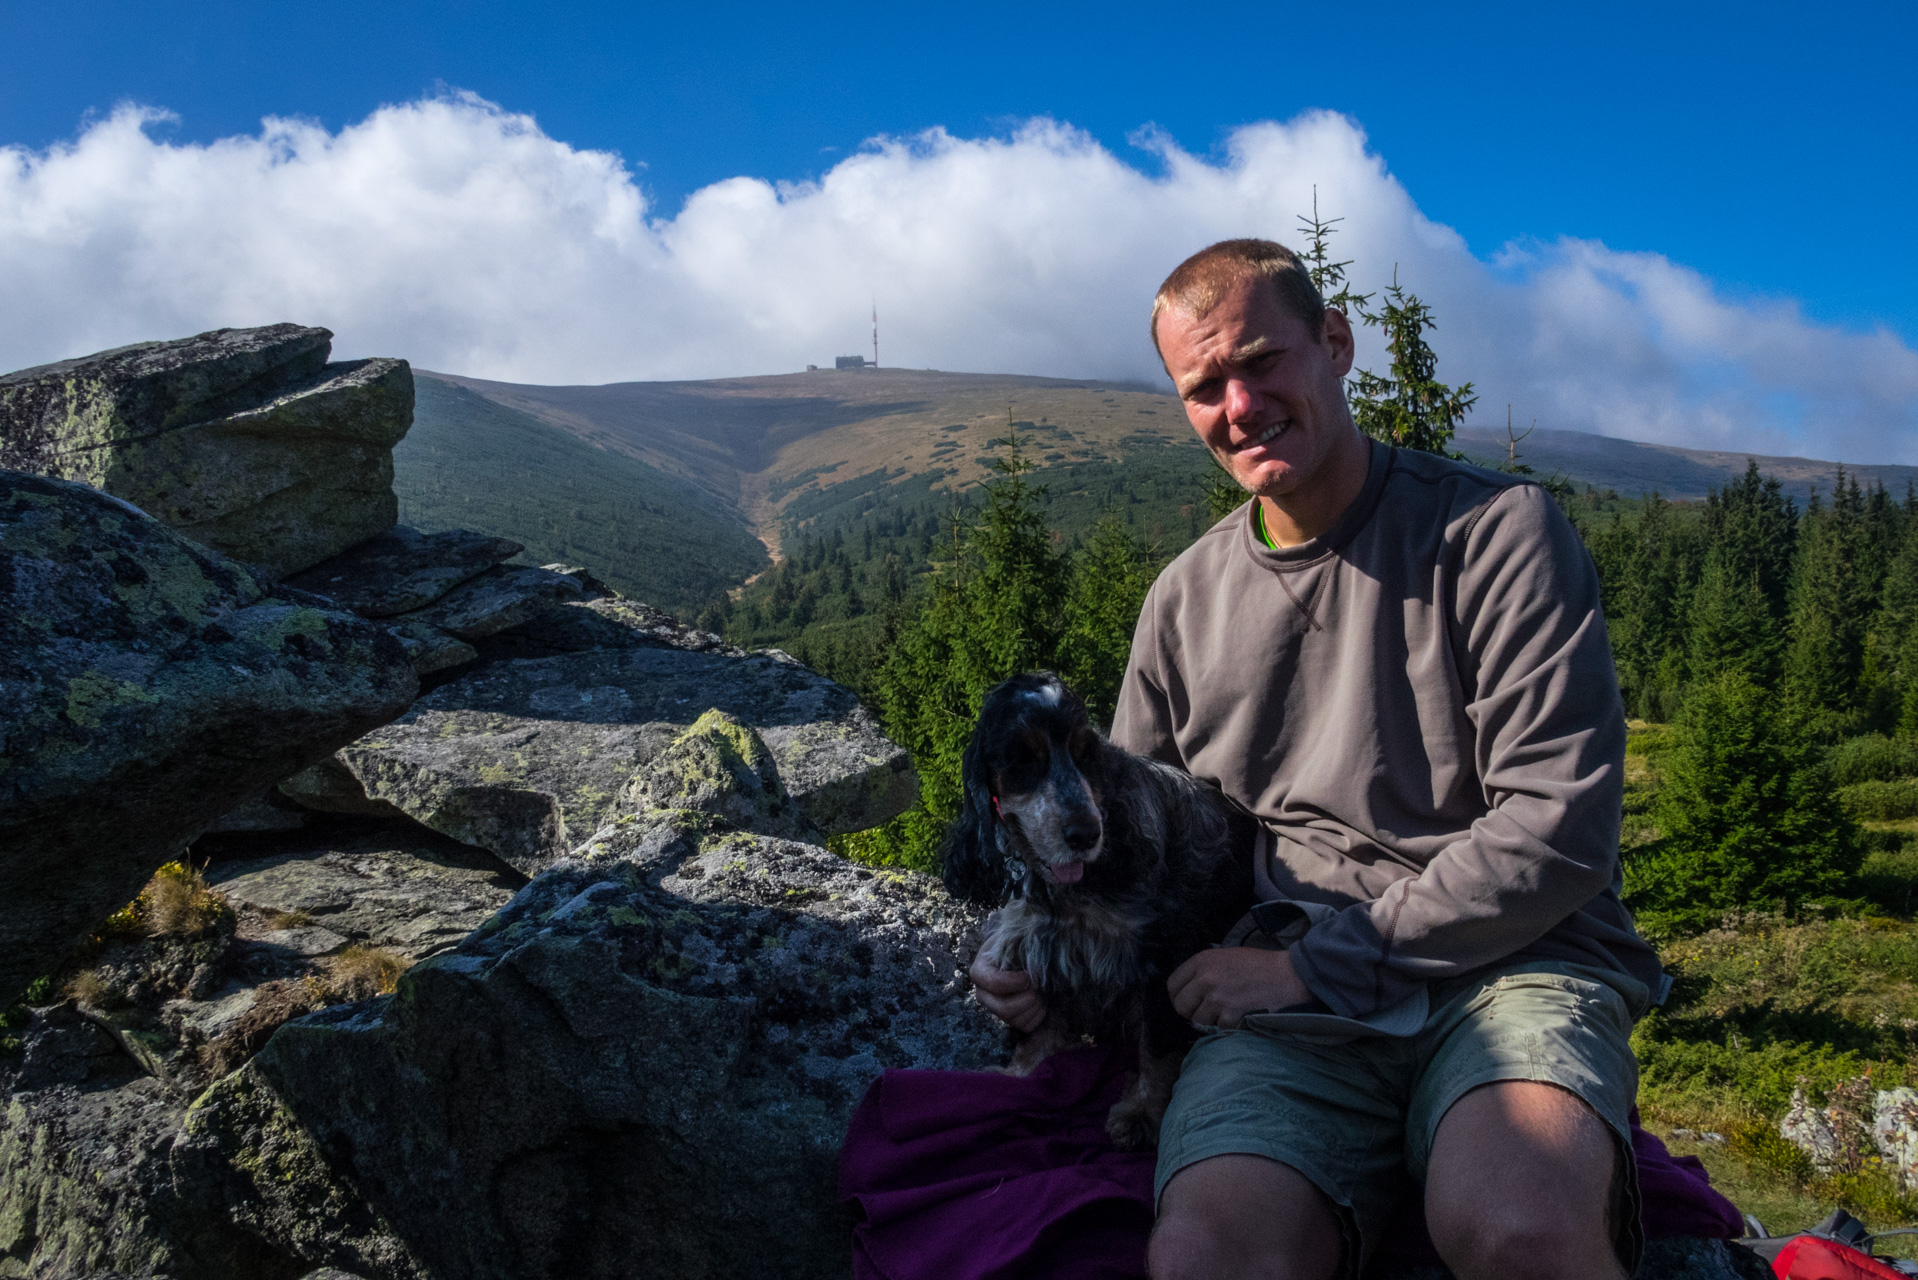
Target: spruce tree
[1411, 408]
[1222, 494]
[1747, 813]
[1649, 568]
[1737, 613]
[1328, 274]
[1755, 523]
[1830, 607]
[1732, 628]
[1892, 644]
[1110, 577]
[993, 610]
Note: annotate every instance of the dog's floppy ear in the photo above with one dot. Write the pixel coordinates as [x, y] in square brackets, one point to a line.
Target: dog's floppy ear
[971, 862]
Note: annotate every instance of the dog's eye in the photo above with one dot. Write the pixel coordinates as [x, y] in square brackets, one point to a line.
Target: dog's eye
[1017, 757]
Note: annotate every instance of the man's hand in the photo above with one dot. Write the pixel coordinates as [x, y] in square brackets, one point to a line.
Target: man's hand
[1007, 995]
[1218, 987]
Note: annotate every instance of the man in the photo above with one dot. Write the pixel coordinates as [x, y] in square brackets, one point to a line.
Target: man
[1399, 665]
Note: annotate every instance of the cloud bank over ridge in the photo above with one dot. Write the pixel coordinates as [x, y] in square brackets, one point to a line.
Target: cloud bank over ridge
[463, 237]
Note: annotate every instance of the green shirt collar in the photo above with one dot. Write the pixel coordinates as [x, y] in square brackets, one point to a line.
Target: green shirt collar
[1258, 524]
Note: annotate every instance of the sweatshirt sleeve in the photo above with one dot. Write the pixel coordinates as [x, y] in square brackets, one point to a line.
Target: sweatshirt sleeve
[1142, 722]
[1540, 692]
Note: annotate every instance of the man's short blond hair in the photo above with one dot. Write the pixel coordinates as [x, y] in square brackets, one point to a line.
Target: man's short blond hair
[1199, 283]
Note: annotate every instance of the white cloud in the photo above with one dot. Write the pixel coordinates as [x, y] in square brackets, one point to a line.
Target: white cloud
[461, 236]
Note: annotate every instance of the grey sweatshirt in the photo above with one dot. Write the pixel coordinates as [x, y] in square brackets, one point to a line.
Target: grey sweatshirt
[1420, 706]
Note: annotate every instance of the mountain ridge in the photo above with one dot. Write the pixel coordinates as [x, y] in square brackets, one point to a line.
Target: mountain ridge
[722, 433]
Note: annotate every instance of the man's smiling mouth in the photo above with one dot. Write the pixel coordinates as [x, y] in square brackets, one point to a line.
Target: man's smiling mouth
[1269, 433]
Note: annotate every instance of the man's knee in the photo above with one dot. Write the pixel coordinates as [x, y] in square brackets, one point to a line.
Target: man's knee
[1524, 1181]
[1513, 1247]
[1242, 1217]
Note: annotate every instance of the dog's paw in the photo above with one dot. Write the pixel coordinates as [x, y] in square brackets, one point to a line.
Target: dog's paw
[1132, 1124]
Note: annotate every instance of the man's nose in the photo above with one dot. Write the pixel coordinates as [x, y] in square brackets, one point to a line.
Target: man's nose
[1239, 400]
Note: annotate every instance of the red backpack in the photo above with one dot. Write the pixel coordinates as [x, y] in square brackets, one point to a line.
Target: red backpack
[1816, 1258]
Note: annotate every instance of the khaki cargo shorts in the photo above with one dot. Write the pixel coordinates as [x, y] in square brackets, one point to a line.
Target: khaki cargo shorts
[1356, 1116]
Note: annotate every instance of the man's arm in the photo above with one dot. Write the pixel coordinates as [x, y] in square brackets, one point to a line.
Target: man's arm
[1542, 697]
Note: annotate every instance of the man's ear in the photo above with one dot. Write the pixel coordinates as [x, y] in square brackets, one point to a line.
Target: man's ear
[971, 862]
[1336, 333]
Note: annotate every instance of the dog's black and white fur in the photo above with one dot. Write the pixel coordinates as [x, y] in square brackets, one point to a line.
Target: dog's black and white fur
[1110, 870]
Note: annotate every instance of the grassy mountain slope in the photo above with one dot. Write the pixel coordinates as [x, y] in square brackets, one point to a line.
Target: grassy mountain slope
[853, 453]
[471, 463]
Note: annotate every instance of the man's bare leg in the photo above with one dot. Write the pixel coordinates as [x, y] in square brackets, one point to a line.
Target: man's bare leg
[1520, 1184]
[1243, 1218]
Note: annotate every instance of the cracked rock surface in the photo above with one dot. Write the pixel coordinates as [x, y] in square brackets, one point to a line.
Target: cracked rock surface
[246, 440]
[404, 569]
[389, 885]
[530, 758]
[147, 687]
[656, 1062]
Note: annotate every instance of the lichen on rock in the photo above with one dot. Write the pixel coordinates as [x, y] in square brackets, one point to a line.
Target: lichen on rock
[530, 758]
[247, 440]
[656, 1065]
[147, 686]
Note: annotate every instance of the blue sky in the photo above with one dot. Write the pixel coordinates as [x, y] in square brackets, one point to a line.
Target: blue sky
[1766, 150]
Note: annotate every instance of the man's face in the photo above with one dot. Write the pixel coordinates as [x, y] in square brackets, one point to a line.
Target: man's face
[1264, 392]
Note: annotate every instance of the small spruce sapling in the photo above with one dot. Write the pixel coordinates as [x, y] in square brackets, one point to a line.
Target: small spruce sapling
[1411, 408]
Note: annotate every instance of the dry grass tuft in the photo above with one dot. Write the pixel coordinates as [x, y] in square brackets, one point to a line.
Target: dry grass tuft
[361, 972]
[89, 989]
[179, 901]
[289, 920]
[358, 973]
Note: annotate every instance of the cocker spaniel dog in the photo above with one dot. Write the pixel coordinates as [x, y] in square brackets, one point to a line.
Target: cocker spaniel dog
[1108, 871]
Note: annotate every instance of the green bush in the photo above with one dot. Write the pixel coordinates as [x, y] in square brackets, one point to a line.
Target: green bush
[1763, 1148]
[1889, 877]
[1652, 741]
[1876, 801]
[1872, 758]
[1747, 812]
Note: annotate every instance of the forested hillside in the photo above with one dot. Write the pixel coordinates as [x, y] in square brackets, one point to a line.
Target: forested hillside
[859, 546]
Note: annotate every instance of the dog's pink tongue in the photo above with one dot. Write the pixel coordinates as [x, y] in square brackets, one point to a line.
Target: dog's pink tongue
[1067, 872]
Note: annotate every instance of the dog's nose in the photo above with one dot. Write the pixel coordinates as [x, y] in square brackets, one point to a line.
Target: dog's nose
[1081, 832]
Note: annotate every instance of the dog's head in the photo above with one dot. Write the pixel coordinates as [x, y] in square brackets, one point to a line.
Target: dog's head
[1031, 813]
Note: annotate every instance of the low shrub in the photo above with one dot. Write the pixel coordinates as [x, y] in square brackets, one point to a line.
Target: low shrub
[1650, 740]
[1881, 801]
[1889, 876]
[1768, 1154]
[274, 1005]
[1872, 758]
[358, 973]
